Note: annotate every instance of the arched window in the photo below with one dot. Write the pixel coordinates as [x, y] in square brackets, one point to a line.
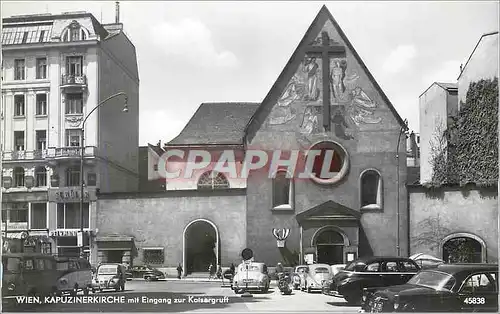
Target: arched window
[282, 191]
[371, 189]
[73, 176]
[463, 249]
[212, 180]
[74, 32]
[41, 176]
[18, 176]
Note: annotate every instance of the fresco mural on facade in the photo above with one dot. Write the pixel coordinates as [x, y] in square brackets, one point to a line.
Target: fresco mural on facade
[302, 101]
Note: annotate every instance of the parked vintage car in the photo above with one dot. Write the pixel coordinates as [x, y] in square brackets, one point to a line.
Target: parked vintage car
[27, 274]
[337, 268]
[315, 277]
[109, 276]
[76, 275]
[426, 261]
[370, 272]
[448, 287]
[153, 275]
[299, 275]
[251, 276]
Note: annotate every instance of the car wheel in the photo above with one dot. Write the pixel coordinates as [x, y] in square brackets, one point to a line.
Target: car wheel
[123, 286]
[86, 291]
[74, 291]
[308, 289]
[93, 290]
[352, 298]
[296, 287]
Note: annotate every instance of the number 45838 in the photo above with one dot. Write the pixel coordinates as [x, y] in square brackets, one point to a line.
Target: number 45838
[474, 301]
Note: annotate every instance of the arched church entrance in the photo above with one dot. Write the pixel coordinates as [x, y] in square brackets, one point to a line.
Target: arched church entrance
[201, 243]
[329, 245]
[462, 249]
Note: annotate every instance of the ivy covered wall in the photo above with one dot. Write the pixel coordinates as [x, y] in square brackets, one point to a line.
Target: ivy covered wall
[470, 155]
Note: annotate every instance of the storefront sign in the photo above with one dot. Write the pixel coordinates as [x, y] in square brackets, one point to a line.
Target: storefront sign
[70, 195]
[65, 233]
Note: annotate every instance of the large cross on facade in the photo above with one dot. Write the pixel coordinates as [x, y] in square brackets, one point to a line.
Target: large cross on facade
[325, 51]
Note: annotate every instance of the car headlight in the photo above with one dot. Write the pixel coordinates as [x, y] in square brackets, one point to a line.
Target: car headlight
[11, 287]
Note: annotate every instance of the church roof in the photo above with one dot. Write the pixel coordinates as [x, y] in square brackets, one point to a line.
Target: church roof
[216, 124]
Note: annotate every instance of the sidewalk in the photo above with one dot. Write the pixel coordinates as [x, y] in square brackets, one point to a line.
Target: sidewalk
[196, 279]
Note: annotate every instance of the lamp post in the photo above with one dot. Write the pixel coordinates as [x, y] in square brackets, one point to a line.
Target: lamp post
[402, 131]
[82, 154]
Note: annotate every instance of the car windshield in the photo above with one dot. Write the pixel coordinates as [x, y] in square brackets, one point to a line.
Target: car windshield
[433, 279]
[321, 270]
[11, 264]
[107, 270]
[351, 266]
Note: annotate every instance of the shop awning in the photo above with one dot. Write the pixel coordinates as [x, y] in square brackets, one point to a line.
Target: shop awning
[15, 235]
[114, 242]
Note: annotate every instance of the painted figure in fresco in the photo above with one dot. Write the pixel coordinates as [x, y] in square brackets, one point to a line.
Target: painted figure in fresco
[340, 124]
[362, 108]
[309, 122]
[337, 87]
[283, 111]
[311, 67]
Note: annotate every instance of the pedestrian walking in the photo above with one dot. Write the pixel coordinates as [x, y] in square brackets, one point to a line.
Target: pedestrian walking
[210, 271]
[179, 271]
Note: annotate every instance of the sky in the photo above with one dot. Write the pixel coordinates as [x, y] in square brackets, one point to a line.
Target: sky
[194, 52]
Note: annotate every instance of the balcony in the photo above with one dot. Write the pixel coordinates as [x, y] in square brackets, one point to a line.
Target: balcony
[78, 82]
[24, 155]
[72, 152]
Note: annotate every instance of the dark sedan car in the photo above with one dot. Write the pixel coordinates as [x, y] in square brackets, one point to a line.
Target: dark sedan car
[147, 272]
[370, 272]
[452, 287]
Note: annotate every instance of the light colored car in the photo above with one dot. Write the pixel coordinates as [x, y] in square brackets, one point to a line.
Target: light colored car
[337, 267]
[251, 276]
[316, 275]
[299, 275]
[109, 276]
[76, 275]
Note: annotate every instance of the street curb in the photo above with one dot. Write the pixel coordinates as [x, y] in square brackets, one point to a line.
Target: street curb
[187, 279]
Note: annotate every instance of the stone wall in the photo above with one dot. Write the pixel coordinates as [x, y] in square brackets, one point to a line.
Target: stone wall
[160, 219]
[435, 215]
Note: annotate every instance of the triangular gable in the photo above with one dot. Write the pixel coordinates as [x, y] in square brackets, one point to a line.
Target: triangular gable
[328, 210]
[291, 67]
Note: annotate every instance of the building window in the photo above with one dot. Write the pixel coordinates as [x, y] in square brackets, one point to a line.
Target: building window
[212, 180]
[282, 190]
[153, 256]
[74, 103]
[74, 66]
[19, 140]
[18, 212]
[38, 216]
[73, 176]
[41, 139]
[41, 176]
[19, 105]
[371, 190]
[462, 250]
[19, 69]
[25, 37]
[42, 35]
[68, 215]
[330, 164]
[73, 137]
[18, 176]
[41, 68]
[41, 104]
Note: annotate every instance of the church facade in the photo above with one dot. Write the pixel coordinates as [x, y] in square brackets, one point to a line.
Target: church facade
[324, 102]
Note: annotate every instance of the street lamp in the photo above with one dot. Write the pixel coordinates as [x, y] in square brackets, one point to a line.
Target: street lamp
[402, 131]
[82, 152]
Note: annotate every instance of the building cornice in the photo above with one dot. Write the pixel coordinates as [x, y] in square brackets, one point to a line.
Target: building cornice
[50, 45]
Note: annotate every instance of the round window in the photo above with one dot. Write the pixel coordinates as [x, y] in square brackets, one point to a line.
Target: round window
[331, 162]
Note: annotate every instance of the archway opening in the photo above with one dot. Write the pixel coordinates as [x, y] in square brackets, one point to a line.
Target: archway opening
[201, 243]
[462, 250]
[330, 247]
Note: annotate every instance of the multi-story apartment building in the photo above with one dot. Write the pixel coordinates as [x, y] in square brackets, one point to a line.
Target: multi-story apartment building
[56, 69]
